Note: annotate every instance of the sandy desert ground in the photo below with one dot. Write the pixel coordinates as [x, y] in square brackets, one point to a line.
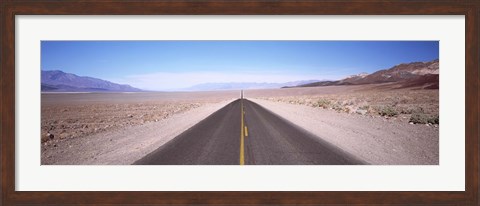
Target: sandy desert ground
[414, 105]
[376, 123]
[88, 128]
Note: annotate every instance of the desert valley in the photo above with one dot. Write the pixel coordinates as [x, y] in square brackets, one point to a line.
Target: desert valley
[388, 117]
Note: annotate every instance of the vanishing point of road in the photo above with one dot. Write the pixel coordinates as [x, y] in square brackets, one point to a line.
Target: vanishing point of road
[244, 132]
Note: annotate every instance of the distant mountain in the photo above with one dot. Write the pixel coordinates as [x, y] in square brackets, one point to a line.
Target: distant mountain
[415, 74]
[58, 81]
[245, 85]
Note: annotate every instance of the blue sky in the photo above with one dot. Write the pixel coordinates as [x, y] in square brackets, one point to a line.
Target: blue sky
[168, 65]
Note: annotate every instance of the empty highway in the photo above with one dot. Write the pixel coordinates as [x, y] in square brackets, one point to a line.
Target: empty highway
[245, 133]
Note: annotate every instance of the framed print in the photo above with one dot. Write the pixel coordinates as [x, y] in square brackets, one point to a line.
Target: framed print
[240, 103]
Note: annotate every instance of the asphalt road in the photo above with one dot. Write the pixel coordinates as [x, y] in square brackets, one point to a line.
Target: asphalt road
[259, 137]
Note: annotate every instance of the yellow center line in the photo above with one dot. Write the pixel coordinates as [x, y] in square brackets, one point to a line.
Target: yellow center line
[242, 158]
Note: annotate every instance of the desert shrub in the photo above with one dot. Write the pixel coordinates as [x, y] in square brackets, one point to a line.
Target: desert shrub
[364, 107]
[404, 110]
[417, 110]
[410, 110]
[323, 103]
[347, 109]
[348, 102]
[388, 111]
[420, 118]
[434, 119]
[337, 107]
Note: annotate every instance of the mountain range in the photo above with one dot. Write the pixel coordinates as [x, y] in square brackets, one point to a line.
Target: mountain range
[245, 85]
[59, 81]
[415, 74]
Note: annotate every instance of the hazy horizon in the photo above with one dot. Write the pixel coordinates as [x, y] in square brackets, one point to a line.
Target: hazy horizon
[174, 65]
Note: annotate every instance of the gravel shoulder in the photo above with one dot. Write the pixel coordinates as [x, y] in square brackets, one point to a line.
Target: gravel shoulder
[374, 139]
[125, 145]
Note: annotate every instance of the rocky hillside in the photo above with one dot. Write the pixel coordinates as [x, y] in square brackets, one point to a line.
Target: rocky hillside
[59, 81]
[415, 74]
